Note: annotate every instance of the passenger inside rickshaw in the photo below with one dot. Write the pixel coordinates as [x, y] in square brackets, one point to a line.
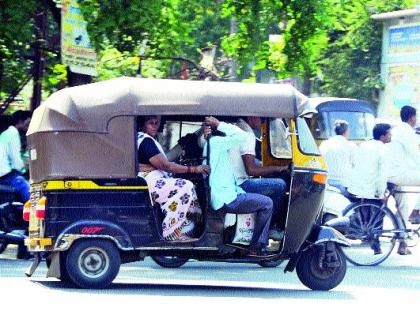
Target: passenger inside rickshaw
[181, 140]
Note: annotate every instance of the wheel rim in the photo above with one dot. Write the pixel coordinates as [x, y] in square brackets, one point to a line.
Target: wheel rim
[93, 262]
[371, 234]
[319, 272]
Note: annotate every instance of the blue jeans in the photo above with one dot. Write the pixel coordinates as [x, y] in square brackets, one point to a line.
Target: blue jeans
[262, 206]
[275, 188]
[19, 183]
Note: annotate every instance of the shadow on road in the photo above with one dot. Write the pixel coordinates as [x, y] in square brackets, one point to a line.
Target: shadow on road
[147, 289]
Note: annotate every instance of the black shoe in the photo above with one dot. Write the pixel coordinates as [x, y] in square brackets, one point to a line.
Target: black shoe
[403, 250]
[260, 252]
[414, 220]
[376, 248]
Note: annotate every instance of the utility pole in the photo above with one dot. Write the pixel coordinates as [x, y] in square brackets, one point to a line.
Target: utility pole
[41, 23]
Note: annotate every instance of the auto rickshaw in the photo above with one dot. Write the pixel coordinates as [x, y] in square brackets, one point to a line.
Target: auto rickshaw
[358, 113]
[89, 212]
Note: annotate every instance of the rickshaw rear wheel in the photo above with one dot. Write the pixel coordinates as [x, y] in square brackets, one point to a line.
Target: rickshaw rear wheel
[92, 264]
[315, 277]
[170, 261]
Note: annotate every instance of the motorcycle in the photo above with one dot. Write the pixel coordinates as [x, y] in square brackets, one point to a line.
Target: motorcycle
[13, 229]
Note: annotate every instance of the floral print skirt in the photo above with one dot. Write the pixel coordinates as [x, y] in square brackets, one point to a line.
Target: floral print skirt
[178, 201]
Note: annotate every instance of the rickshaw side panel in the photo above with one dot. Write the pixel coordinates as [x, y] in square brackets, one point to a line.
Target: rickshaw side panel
[129, 210]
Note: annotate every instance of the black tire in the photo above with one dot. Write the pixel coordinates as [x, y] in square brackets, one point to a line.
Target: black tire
[316, 278]
[3, 245]
[92, 264]
[371, 225]
[170, 261]
[273, 263]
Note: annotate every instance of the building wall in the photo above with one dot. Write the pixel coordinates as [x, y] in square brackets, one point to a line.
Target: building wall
[400, 69]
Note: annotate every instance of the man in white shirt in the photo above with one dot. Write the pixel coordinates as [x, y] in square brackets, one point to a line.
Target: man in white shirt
[339, 155]
[369, 178]
[404, 161]
[249, 173]
[11, 162]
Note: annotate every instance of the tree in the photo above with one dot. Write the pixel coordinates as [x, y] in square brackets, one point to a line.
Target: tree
[350, 67]
[238, 28]
[20, 43]
[303, 28]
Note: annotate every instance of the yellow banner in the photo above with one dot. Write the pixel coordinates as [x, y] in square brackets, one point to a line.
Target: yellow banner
[76, 48]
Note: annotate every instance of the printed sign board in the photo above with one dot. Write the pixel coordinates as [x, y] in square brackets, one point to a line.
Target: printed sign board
[76, 48]
[404, 40]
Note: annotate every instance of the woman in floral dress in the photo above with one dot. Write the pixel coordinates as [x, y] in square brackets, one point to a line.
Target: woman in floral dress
[176, 196]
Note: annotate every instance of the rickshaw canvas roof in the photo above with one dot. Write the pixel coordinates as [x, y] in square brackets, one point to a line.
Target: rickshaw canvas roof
[89, 108]
[340, 104]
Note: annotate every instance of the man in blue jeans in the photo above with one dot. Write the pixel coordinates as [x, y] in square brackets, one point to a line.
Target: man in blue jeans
[226, 194]
[250, 174]
[11, 162]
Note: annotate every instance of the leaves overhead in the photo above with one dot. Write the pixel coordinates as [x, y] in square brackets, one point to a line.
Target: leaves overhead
[332, 42]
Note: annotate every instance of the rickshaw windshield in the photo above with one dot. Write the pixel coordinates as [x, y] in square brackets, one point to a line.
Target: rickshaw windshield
[307, 143]
[361, 124]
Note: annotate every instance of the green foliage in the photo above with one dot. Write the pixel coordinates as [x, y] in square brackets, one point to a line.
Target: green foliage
[335, 40]
[302, 24]
[351, 65]
[15, 42]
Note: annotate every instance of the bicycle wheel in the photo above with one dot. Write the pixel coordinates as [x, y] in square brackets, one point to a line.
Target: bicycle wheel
[372, 233]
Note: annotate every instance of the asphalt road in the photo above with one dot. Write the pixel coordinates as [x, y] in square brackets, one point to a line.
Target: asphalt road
[214, 288]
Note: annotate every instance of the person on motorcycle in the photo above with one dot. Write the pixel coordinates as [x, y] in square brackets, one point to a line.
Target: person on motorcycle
[11, 163]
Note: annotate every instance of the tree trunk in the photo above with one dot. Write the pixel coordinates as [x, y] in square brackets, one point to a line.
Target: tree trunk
[41, 22]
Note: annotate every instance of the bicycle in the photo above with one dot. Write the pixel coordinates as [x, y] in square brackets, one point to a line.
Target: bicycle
[374, 229]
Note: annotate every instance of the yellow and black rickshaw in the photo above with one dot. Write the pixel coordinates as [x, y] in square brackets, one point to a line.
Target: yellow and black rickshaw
[89, 212]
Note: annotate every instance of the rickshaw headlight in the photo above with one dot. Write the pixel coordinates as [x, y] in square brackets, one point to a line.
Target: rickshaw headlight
[40, 208]
[26, 211]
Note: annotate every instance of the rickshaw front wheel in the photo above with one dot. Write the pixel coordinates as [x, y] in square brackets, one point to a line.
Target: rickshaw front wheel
[317, 277]
[92, 264]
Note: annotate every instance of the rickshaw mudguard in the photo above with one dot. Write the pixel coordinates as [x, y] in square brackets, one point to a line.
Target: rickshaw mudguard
[329, 234]
[93, 229]
[319, 235]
